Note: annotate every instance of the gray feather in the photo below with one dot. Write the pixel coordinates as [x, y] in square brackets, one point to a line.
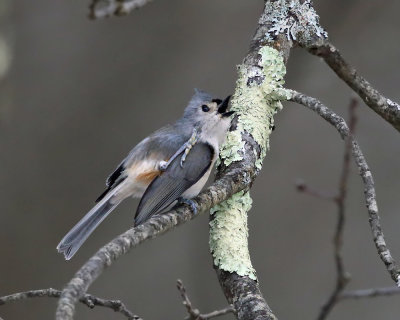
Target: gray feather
[167, 187]
[200, 97]
[74, 239]
[165, 141]
[171, 184]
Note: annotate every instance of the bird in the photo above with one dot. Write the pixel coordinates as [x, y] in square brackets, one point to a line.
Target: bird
[170, 166]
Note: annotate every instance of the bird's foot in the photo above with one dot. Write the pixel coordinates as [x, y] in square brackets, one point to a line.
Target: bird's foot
[163, 165]
[188, 146]
[185, 148]
[189, 202]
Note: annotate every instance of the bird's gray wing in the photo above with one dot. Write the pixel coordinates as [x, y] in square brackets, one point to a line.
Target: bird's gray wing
[163, 142]
[173, 182]
[113, 180]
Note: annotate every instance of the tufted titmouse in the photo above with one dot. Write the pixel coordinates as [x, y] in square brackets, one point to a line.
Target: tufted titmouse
[172, 164]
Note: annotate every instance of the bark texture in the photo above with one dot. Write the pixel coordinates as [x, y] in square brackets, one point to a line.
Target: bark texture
[244, 293]
[281, 23]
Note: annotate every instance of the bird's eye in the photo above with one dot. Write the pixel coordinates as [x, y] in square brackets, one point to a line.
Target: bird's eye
[205, 108]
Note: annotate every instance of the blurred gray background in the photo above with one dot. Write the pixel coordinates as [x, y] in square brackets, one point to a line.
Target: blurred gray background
[81, 93]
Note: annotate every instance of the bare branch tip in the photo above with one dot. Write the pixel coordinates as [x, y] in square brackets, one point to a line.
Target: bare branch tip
[365, 173]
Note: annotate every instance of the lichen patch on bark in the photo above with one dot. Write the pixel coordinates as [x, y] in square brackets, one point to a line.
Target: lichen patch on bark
[229, 233]
[258, 95]
[255, 101]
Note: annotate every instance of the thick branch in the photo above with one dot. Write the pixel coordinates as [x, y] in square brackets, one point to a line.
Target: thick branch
[386, 108]
[87, 299]
[366, 175]
[256, 99]
[245, 294]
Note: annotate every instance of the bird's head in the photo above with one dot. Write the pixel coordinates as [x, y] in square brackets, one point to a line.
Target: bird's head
[209, 116]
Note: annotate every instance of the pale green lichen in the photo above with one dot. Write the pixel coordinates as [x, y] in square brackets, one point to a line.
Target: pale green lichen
[296, 20]
[229, 233]
[257, 97]
[255, 104]
[235, 152]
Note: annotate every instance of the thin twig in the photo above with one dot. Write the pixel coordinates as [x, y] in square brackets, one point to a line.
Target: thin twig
[303, 187]
[105, 8]
[386, 108]
[342, 277]
[87, 299]
[194, 314]
[366, 175]
[370, 293]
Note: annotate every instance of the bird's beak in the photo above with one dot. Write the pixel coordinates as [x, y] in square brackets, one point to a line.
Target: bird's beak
[224, 106]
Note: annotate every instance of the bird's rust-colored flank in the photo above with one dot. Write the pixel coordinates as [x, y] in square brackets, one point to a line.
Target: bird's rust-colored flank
[148, 176]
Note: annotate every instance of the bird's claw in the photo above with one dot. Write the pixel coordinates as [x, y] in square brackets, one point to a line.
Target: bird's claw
[163, 165]
[189, 202]
[189, 145]
[186, 147]
[183, 158]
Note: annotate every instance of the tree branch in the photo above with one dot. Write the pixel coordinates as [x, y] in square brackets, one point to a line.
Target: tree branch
[386, 108]
[87, 299]
[366, 175]
[303, 187]
[238, 178]
[342, 277]
[370, 293]
[259, 78]
[194, 314]
[256, 99]
[105, 8]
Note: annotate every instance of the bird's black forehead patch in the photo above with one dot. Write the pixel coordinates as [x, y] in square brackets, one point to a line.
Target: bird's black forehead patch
[218, 101]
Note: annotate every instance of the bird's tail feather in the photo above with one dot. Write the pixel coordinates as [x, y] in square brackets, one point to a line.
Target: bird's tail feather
[74, 239]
